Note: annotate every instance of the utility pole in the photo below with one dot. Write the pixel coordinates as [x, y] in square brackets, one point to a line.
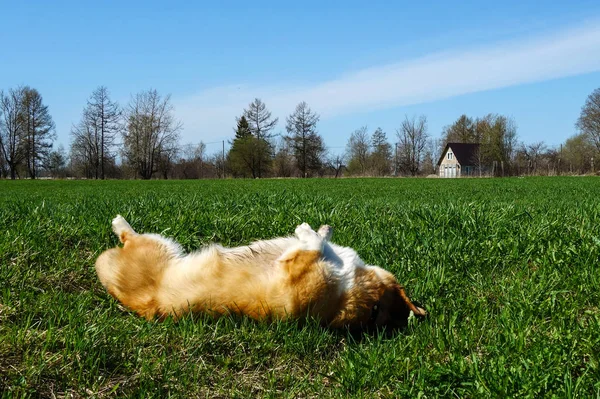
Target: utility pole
[396, 159]
[223, 159]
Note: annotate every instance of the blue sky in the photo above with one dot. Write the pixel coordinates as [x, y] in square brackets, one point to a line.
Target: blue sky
[355, 63]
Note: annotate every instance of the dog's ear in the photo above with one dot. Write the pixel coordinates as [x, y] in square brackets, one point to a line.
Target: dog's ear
[417, 311]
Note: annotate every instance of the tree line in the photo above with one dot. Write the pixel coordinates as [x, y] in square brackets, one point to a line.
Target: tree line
[142, 140]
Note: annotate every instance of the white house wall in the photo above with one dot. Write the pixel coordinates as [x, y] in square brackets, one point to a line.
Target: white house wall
[449, 167]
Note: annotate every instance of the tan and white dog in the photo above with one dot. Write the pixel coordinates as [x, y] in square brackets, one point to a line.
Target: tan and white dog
[290, 277]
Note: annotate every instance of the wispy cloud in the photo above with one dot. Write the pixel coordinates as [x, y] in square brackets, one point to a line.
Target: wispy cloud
[210, 114]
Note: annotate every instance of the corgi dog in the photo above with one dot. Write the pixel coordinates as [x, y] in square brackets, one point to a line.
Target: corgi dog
[305, 275]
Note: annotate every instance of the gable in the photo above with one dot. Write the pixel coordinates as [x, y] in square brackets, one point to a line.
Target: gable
[464, 153]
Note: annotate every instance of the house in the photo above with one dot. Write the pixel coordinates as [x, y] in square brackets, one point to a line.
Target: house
[459, 159]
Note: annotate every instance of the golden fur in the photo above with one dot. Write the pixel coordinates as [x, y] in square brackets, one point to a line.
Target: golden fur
[291, 277]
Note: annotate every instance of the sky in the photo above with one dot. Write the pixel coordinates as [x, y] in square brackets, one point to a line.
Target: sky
[355, 63]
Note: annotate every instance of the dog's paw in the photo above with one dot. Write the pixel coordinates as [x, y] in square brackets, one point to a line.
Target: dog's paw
[304, 232]
[325, 231]
[121, 227]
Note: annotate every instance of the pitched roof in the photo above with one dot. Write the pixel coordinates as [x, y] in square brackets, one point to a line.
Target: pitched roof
[465, 153]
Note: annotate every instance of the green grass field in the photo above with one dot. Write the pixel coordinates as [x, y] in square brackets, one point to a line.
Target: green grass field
[507, 268]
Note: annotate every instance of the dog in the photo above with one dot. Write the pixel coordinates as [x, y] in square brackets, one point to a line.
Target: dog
[293, 277]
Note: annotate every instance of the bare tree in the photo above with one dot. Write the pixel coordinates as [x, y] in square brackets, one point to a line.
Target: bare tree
[104, 116]
[479, 160]
[3, 165]
[433, 146]
[260, 124]
[431, 156]
[167, 158]
[336, 162]
[217, 160]
[533, 153]
[38, 130]
[412, 137]
[283, 163]
[551, 161]
[307, 144]
[85, 149]
[94, 136]
[589, 119]
[358, 150]
[192, 163]
[152, 132]
[12, 128]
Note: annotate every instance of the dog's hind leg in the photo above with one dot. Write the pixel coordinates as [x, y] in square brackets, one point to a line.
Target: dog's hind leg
[325, 231]
[306, 274]
[310, 240]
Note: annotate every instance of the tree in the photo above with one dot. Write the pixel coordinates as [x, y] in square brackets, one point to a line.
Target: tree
[38, 130]
[551, 160]
[85, 149]
[589, 119]
[3, 165]
[12, 128]
[307, 144]
[499, 141]
[578, 152]
[250, 152]
[94, 136]
[533, 153]
[335, 162]
[381, 154]
[192, 163]
[412, 137]
[166, 160]
[461, 131]
[358, 151]
[249, 156]
[104, 116]
[431, 156]
[56, 162]
[243, 128]
[152, 133]
[283, 162]
[260, 124]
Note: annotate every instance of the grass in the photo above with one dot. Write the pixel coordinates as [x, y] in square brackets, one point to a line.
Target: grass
[507, 268]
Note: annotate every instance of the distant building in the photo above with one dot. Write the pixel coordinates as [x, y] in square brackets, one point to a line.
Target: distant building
[459, 160]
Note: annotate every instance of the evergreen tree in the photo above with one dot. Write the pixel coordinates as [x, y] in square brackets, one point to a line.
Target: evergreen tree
[243, 128]
[248, 156]
[381, 154]
[260, 124]
[56, 162]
